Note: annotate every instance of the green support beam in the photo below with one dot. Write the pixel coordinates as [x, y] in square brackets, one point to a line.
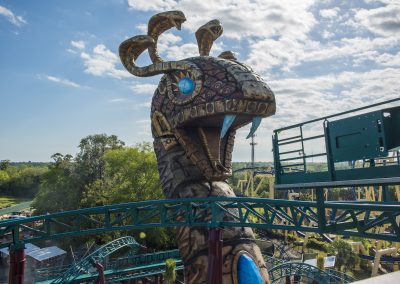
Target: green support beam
[342, 218]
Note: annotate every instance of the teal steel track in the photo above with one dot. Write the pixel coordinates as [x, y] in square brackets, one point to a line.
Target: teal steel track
[122, 274]
[154, 266]
[310, 272]
[46, 275]
[97, 256]
[342, 218]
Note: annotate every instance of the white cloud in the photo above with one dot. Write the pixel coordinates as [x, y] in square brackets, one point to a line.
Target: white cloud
[102, 62]
[241, 18]
[171, 46]
[287, 53]
[142, 28]
[383, 20]
[153, 5]
[117, 100]
[80, 44]
[143, 121]
[282, 36]
[139, 106]
[329, 13]
[387, 59]
[144, 89]
[278, 34]
[11, 17]
[327, 34]
[62, 81]
[300, 99]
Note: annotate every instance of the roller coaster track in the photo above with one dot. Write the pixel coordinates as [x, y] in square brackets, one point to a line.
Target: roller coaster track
[97, 256]
[266, 170]
[122, 274]
[360, 219]
[384, 258]
[303, 270]
[147, 265]
[136, 260]
[136, 266]
[279, 269]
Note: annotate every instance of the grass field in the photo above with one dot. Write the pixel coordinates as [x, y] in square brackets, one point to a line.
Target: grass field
[7, 201]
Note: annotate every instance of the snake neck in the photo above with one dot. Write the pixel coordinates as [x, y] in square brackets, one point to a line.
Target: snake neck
[180, 178]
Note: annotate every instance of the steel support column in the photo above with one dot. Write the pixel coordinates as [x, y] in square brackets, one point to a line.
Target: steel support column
[101, 279]
[319, 192]
[17, 264]
[214, 256]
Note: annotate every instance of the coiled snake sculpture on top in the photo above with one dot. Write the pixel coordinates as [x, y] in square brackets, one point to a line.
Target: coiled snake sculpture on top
[199, 104]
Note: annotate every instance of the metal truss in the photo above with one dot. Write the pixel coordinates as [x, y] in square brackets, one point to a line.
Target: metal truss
[303, 270]
[362, 219]
[279, 268]
[343, 277]
[130, 273]
[138, 270]
[131, 260]
[85, 264]
[145, 258]
[123, 274]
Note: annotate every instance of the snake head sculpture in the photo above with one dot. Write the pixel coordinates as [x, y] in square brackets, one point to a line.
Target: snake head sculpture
[200, 101]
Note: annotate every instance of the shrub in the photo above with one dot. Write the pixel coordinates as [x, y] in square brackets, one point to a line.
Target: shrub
[170, 273]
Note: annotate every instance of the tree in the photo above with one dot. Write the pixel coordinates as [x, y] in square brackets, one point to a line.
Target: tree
[20, 181]
[90, 164]
[4, 164]
[130, 174]
[345, 256]
[104, 172]
[4, 177]
[59, 188]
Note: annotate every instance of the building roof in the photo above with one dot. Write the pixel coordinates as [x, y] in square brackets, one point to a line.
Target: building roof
[46, 253]
[28, 248]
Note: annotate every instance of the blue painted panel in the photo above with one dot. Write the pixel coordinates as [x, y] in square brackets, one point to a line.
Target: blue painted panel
[248, 272]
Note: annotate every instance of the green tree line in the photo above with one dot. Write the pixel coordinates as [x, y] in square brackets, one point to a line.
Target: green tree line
[20, 179]
[103, 172]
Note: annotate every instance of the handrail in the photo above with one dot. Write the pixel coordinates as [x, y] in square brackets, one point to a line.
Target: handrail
[337, 114]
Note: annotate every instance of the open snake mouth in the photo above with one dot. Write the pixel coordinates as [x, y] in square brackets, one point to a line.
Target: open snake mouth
[207, 132]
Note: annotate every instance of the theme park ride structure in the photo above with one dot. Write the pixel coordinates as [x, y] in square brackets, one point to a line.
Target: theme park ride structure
[191, 162]
[366, 219]
[196, 109]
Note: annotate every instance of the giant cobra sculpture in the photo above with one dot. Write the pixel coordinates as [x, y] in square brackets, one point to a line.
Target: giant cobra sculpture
[199, 104]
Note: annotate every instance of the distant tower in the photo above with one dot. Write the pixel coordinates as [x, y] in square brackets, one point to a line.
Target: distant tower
[251, 180]
[252, 144]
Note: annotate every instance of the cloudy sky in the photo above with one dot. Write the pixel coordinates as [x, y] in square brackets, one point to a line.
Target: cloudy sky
[61, 78]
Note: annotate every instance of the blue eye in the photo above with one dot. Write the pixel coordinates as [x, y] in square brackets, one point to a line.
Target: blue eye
[186, 86]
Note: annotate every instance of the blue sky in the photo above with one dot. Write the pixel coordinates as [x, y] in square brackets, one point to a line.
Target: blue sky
[61, 78]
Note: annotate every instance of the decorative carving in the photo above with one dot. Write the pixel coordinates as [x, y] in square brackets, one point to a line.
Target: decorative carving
[198, 106]
[163, 130]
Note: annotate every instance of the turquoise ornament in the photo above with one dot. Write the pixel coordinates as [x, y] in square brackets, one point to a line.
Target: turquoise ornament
[186, 86]
[247, 271]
